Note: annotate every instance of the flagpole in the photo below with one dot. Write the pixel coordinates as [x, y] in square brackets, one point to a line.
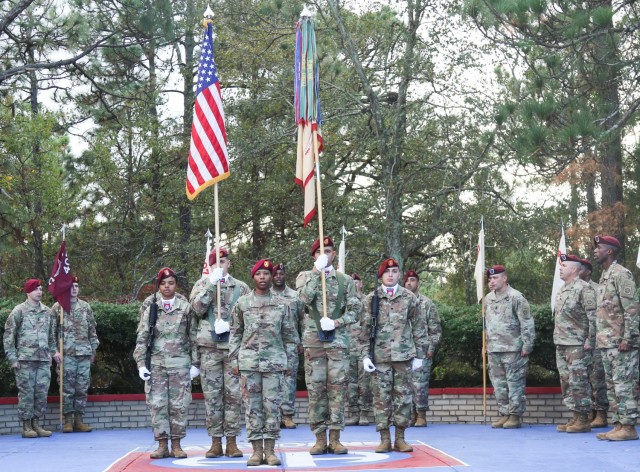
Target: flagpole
[217, 225]
[316, 158]
[61, 338]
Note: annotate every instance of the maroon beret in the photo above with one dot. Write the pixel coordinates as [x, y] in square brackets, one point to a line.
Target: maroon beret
[496, 269]
[386, 264]
[75, 279]
[316, 244]
[278, 267]
[261, 264]
[164, 273]
[609, 240]
[355, 276]
[212, 256]
[410, 273]
[31, 284]
[570, 258]
[587, 264]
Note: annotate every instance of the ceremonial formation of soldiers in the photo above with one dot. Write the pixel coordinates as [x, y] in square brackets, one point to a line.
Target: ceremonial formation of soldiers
[364, 356]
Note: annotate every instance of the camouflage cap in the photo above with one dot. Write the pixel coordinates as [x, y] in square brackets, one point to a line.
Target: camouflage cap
[261, 264]
[496, 269]
[277, 267]
[410, 273]
[164, 273]
[316, 244]
[31, 284]
[609, 240]
[387, 264]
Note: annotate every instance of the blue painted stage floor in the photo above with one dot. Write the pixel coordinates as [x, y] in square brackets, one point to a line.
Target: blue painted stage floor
[439, 447]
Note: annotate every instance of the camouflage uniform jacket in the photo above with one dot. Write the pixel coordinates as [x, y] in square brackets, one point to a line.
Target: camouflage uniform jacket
[401, 334]
[204, 302]
[147, 301]
[354, 330]
[510, 326]
[433, 323]
[175, 333]
[575, 314]
[80, 338]
[595, 286]
[262, 333]
[29, 333]
[617, 315]
[309, 287]
[297, 312]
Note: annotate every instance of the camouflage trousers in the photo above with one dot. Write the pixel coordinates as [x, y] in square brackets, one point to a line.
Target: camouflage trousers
[421, 385]
[621, 370]
[326, 378]
[221, 390]
[262, 394]
[77, 379]
[359, 397]
[599, 400]
[32, 380]
[573, 366]
[508, 374]
[168, 394]
[290, 385]
[392, 394]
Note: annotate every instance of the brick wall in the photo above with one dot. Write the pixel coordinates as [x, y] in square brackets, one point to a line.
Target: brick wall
[448, 405]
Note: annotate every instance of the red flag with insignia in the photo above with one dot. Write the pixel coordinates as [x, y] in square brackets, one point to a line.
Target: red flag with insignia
[60, 280]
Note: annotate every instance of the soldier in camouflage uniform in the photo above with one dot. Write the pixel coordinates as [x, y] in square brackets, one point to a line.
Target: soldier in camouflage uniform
[428, 310]
[359, 396]
[326, 362]
[263, 336]
[29, 344]
[80, 345]
[291, 374]
[168, 383]
[220, 385]
[399, 349]
[599, 400]
[574, 335]
[617, 334]
[510, 337]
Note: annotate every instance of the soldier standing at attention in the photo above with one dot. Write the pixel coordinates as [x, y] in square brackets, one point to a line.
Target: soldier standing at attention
[29, 344]
[326, 362]
[263, 335]
[291, 374]
[399, 349]
[574, 335]
[617, 318]
[360, 400]
[429, 312]
[220, 385]
[510, 337]
[168, 382]
[80, 345]
[599, 401]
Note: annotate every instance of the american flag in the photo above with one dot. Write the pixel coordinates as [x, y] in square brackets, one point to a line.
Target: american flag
[208, 156]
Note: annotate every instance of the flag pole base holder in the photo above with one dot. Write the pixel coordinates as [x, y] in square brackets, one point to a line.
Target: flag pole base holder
[220, 338]
[327, 336]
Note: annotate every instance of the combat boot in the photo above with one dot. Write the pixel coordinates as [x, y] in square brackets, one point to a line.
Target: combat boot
[68, 423]
[499, 423]
[513, 422]
[79, 426]
[600, 420]
[40, 431]
[414, 417]
[269, 454]
[162, 451]
[320, 447]
[216, 448]
[616, 427]
[364, 418]
[232, 448]
[626, 433]
[563, 427]
[256, 457]
[421, 421]
[176, 449]
[400, 444]
[335, 446]
[385, 441]
[27, 430]
[581, 425]
[287, 422]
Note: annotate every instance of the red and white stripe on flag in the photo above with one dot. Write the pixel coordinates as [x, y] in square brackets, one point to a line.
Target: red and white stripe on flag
[208, 155]
[305, 167]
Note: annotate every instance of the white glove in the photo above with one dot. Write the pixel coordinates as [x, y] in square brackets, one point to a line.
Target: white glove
[327, 324]
[368, 365]
[221, 326]
[321, 262]
[144, 373]
[215, 275]
[194, 372]
[416, 363]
